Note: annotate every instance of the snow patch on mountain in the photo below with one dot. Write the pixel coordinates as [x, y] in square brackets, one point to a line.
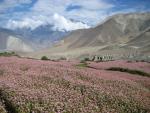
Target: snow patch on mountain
[61, 24]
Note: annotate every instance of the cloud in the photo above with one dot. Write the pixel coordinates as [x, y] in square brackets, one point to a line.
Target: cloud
[31, 22]
[61, 5]
[61, 24]
[73, 7]
[89, 10]
[25, 23]
[43, 11]
[93, 4]
[55, 12]
[7, 4]
[50, 6]
[40, 12]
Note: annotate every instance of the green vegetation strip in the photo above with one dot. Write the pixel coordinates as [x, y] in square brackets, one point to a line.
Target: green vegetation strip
[82, 65]
[7, 54]
[136, 72]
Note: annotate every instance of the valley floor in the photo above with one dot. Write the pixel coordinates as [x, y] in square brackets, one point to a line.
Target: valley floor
[36, 86]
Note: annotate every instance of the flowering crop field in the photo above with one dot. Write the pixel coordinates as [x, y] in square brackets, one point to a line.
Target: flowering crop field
[36, 86]
[143, 66]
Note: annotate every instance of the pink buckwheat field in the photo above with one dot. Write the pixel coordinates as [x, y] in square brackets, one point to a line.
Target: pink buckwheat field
[36, 86]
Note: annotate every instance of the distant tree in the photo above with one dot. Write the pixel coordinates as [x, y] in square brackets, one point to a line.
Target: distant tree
[86, 59]
[100, 58]
[93, 58]
[7, 54]
[13, 53]
[63, 58]
[44, 58]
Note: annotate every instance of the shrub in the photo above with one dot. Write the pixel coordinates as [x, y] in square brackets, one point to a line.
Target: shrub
[1, 72]
[84, 60]
[82, 65]
[138, 72]
[8, 54]
[44, 58]
[63, 58]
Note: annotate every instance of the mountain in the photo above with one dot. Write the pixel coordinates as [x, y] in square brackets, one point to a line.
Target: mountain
[45, 33]
[120, 35]
[9, 41]
[141, 40]
[118, 29]
[43, 36]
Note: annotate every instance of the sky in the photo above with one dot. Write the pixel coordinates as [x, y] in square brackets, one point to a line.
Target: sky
[64, 14]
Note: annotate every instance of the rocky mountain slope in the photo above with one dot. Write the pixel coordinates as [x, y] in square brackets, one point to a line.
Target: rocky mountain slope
[9, 41]
[120, 35]
[42, 37]
[118, 29]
